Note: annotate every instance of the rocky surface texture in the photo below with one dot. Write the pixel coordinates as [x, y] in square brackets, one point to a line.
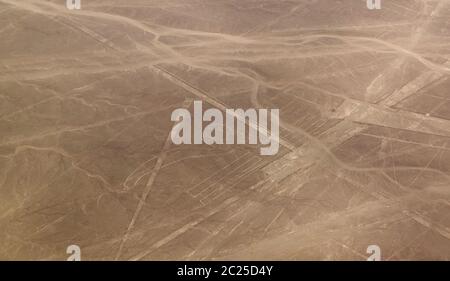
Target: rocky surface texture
[85, 103]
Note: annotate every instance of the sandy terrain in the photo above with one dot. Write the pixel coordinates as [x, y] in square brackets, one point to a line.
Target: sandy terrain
[85, 103]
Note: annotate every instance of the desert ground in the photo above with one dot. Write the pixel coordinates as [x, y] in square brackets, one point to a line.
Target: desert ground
[86, 97]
